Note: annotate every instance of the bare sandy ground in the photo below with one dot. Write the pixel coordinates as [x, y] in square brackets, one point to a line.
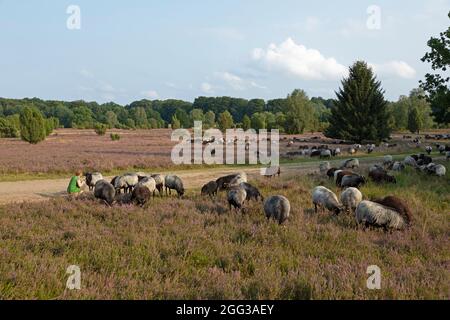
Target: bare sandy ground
[39, 190]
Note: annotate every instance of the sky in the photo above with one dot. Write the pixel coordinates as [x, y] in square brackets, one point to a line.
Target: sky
[123, 51]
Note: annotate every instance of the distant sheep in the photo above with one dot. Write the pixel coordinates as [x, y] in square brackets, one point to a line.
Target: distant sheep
[371, 213]
[278, 208]
[223, 182]
[236, 197]
[380, 176]
[330, 172]
[105, 191]
[354, 180]
[423, 159]
[339, 174]
[324, 167]
[398, 166]
[209, 189]
[435, 169]
[92, 178]
[428, 149]
[350, 198]
[271, 171]
[410, 161]
[141, 194]
[325, 153]
[126, 182]
[325, 198]
[350, 164]
[172, 182]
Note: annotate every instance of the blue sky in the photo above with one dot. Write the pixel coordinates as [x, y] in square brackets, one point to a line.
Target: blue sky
[130, 50]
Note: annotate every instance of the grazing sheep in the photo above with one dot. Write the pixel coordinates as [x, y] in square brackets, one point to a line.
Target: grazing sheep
[175, 183]
[428, 149]
[354, 180]
[149, 183]
[92, 178]
[126, 182]
[377, 167]
[325, 153]
[236, 197]
[435, 169]
[387, 160]
[398, 166]
[113, 181]
[141, 194]
[324, 167]
[237, 180]
[410, 161]
[375, 214]
[350, 198]
[315, 153]
[350, 164]
[325, 198]
[159, 179]
[105, 191]
[380, 176]
[252, 192]
[224, 181]
[210, 189]
[278, 208]
[338, 175]
[331, 171]
[271, 171]
[398, 205]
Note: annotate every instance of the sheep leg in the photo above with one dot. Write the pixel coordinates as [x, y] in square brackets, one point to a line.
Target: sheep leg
[315, 208]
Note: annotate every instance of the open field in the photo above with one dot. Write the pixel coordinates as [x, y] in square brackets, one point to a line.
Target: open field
[195, 248]
[69, 150]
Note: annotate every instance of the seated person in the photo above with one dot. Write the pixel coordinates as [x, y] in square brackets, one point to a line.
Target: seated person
[75, 184]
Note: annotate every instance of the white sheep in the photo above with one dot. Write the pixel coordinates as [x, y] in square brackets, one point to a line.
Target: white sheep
[149, 183]
[350, 164]
[387, 160]
[398, 166]
[372, 213]
[325, 198]
[410, 161]
[127, 182]
[350, 198]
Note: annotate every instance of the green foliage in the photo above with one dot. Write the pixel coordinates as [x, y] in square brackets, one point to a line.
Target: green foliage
[176, 124]
[210, 120]
[300, 114]
[436, 85]
[225, 121]
[115, 136]
[50, 125]
[246, 122]
[100, 129]
[361, 110]
[415, 123]
[32, 125]
[8, 129]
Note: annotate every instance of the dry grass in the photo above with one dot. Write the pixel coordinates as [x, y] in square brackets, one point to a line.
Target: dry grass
[194, 248]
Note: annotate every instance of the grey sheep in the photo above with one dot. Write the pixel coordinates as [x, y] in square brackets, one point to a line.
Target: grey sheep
[159, 179]
[172, 182]
[278, 208]
[236, 197]
[350, 164]
[126, 182]
[325, 198]
[105, 191]
[350, 198]
[149, 183]
[92, 178]
[371, 213]
[355, 181]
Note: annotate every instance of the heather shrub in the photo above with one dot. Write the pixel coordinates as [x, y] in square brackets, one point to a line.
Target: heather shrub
[115, 136]
[100, 129]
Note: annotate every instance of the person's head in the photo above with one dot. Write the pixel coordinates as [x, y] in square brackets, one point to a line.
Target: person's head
[78, 173]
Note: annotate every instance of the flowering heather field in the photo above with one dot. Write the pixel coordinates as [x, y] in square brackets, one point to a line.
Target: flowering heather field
[194, 248]
[70, 149]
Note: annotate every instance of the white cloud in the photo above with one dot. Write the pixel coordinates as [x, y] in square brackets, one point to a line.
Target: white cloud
[237, 83]
[296, 59]
[206, 87]
[151, 94]
[399, 69]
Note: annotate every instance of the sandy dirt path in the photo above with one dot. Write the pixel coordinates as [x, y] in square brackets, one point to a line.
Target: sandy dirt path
[39, 190]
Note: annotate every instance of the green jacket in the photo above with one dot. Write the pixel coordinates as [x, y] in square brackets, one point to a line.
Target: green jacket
[73, 185]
